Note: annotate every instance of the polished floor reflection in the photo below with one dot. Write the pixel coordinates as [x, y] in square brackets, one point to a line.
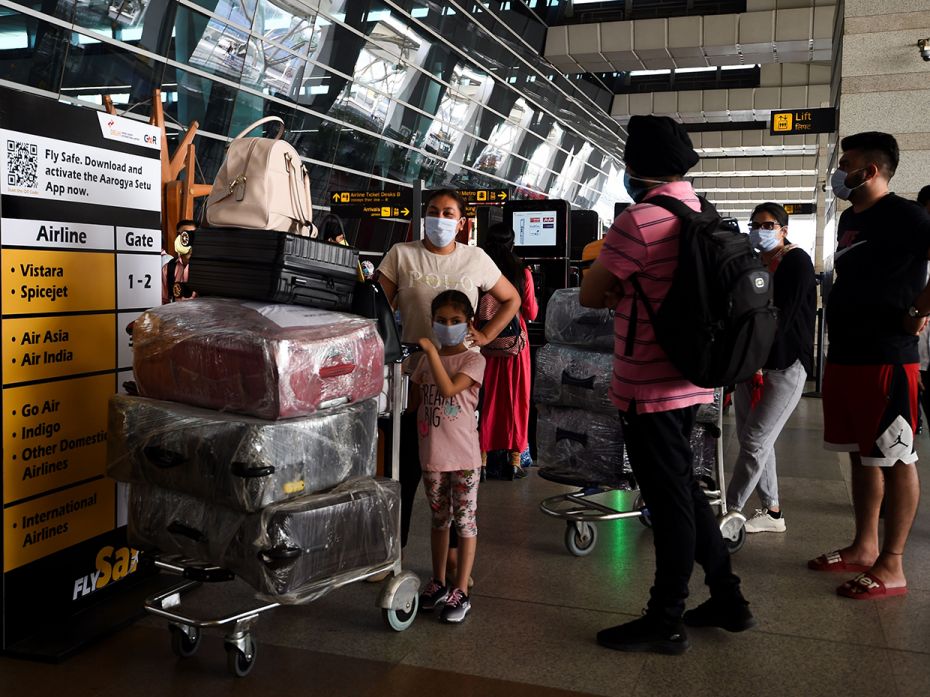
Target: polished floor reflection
[537, 609]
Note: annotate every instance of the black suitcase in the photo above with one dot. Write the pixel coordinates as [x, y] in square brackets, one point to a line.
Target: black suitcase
[272, 266]
[294, 550]
[239, 461]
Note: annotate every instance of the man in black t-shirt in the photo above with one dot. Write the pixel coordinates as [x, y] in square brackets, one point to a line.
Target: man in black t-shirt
[877, 307]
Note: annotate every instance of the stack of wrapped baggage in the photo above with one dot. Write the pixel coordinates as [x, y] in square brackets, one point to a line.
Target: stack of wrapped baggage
[252, 442]
[578, 433]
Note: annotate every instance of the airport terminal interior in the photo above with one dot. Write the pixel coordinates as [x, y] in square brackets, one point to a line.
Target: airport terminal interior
[118, 117]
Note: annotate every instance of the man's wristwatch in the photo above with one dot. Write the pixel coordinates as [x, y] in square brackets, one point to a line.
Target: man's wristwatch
[913, 312]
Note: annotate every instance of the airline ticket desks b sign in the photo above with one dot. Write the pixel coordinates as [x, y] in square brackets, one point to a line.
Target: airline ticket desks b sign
[80, 214]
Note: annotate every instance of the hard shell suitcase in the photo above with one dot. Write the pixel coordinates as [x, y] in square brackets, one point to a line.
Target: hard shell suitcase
[568, 323]
[240, 462]
[269, 361]
[582, 445]
[573, 377]
[293, 550]
[272, 267]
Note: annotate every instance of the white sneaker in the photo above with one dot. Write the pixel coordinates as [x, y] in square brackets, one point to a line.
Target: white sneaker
[763, 522]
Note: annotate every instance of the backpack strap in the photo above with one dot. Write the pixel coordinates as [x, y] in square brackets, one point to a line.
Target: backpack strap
[634, 313]
[678, 207]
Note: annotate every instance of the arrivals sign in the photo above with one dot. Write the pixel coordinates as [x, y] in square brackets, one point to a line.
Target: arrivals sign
[803, 121]
[80, 242]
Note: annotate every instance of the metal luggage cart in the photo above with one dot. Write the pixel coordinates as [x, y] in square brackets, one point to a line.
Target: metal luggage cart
[580, 512]
[398, 599]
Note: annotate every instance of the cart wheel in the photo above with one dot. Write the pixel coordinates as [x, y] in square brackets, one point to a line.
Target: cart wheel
[640, 506]
[733, 530]
[184, 641]
[580, 538]
[399, 620]
[239, 663]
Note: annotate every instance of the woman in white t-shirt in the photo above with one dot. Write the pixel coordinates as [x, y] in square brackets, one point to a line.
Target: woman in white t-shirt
[412, 274]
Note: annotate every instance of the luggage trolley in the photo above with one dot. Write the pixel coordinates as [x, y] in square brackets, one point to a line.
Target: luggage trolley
[581, 512]
[398, 599]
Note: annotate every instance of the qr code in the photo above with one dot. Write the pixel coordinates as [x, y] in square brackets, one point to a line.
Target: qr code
[22, 164]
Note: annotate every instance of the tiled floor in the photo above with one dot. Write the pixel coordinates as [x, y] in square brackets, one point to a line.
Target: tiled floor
[537, 609]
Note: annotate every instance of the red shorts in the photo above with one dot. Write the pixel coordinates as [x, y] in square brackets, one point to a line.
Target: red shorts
[871, 410]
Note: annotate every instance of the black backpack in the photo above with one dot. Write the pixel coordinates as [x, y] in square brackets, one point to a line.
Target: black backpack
[718, 321]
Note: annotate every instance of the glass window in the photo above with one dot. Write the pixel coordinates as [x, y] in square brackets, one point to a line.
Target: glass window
[32, 52]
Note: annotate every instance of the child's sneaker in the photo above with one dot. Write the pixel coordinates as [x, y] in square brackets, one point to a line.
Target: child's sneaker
[763, 521]
[457, 606]
[434, 594]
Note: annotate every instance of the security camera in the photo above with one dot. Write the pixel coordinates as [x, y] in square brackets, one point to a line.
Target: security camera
[924, 46]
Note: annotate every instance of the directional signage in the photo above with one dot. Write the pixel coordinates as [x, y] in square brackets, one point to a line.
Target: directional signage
[372, 204]
[803, 121]
[799, 208]
[478, 197]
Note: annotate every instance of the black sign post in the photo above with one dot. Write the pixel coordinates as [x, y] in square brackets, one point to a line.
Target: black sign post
[791, 122]
[80, 213]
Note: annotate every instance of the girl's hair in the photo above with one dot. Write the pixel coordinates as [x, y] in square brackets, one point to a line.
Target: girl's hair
[451, 193]
[456, 299]
[776, 211]
[498, 244]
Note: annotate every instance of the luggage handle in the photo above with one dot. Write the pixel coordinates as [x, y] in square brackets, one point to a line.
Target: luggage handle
[335, 371]
[585, 383]
[241, 469]
[178, 528]
[162, 457]
[580, 438]
[268, 119]
[279, 555]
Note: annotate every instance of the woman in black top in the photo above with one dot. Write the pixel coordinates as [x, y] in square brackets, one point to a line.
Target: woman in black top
[764, 403]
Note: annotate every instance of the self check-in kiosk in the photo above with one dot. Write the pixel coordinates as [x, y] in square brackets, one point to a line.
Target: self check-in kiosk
[541, 232]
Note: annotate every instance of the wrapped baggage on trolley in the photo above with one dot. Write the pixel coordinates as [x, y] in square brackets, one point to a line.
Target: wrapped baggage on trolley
[569, 376]
[269, 361]
[240, 462]
[572, 444]
[567, 322]
[293, 551]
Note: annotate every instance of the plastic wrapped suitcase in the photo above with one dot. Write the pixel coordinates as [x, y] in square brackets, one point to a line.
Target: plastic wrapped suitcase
[573, 377]
[272, 267]
[290, 550]
[567, 322]
[269, 361]
[240, 462]
[581, 445]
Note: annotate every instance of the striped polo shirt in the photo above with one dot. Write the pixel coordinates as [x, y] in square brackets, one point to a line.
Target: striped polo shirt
[644, 241]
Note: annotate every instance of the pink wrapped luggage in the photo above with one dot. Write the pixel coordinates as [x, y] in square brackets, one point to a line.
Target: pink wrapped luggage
[269, 361]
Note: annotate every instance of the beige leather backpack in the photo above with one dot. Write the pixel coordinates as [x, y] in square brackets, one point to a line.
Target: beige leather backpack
[262, 185]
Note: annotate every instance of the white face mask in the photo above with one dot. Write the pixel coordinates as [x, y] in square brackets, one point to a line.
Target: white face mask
[440, 231]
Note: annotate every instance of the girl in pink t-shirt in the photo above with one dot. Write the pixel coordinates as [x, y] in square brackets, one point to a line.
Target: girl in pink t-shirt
[448, 380]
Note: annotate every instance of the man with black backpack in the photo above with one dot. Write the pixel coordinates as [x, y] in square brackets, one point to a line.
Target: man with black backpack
[634, 274]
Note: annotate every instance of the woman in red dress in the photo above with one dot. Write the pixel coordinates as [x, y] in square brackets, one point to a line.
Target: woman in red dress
[505, 409]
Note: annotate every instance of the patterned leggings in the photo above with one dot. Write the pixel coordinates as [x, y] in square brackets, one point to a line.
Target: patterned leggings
[453, 495]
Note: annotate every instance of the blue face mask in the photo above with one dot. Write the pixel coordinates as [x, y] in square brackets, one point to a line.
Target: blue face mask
[766, 240]
[450, 334]
[635, 185]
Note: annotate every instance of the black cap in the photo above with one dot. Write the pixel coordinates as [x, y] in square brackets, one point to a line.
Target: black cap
[658, 146]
